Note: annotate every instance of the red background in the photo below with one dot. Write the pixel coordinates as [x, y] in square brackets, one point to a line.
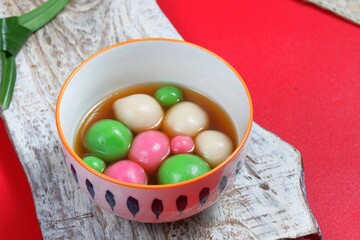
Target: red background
[302, 67]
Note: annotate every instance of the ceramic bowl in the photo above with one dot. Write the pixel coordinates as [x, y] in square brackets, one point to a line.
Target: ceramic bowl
[145, 61]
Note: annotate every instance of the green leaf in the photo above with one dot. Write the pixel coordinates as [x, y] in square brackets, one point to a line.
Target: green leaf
[7, 80]
[14, 31]
[12, 35]
[41, 15]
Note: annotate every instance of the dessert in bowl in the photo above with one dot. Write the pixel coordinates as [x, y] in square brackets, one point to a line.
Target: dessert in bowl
[155, 64]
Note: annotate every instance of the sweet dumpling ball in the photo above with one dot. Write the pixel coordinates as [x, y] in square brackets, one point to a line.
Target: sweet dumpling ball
[213, 146]
[139, 112]
[185, 118]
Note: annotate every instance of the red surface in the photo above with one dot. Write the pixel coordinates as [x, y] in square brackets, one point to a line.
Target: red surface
[17, 214]
[302, 66]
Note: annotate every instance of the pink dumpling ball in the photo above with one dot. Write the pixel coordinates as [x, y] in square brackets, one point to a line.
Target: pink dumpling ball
[127, 171]
[182, 144]
[149, 149]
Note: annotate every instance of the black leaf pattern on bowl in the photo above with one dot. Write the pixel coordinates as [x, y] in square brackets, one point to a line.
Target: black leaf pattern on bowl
[181, 203]
[157, 207]
[90, 188]
[133, 205]
[73, 171]
[238, 166]
[223, 183]
[204, 195]
[109, 196]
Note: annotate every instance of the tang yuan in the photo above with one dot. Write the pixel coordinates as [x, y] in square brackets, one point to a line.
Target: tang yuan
[168, 95]
[182, 167]
[155, 133]
[182, 144]
[139, 112]
[149, 149]
[213, 146]
[108, 139]
[127, 171]
[185, 118]
[95, 163]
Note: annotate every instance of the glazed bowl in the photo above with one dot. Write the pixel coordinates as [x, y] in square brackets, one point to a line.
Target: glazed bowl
[144, 61]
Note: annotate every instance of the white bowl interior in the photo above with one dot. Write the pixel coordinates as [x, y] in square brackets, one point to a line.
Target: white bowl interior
[153, 61]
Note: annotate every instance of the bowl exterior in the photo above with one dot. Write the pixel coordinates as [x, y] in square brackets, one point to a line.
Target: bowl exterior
[157, 204]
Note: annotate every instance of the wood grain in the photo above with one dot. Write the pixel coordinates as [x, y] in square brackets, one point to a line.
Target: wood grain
[267, 200]
[349, 9]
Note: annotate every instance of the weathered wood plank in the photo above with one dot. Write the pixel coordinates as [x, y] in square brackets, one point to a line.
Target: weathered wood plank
[349, 9]
[266, 201]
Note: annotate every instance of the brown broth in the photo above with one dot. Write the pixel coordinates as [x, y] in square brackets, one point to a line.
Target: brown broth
[219, 119]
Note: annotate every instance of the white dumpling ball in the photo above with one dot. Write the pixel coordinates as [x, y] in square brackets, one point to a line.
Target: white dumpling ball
[139, 112]
[185, 118]
[213, 146]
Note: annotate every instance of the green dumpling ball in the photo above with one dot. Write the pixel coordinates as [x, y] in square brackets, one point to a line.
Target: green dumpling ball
[181, 167]
[95, 163]
[108, 139]
[168, 95]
